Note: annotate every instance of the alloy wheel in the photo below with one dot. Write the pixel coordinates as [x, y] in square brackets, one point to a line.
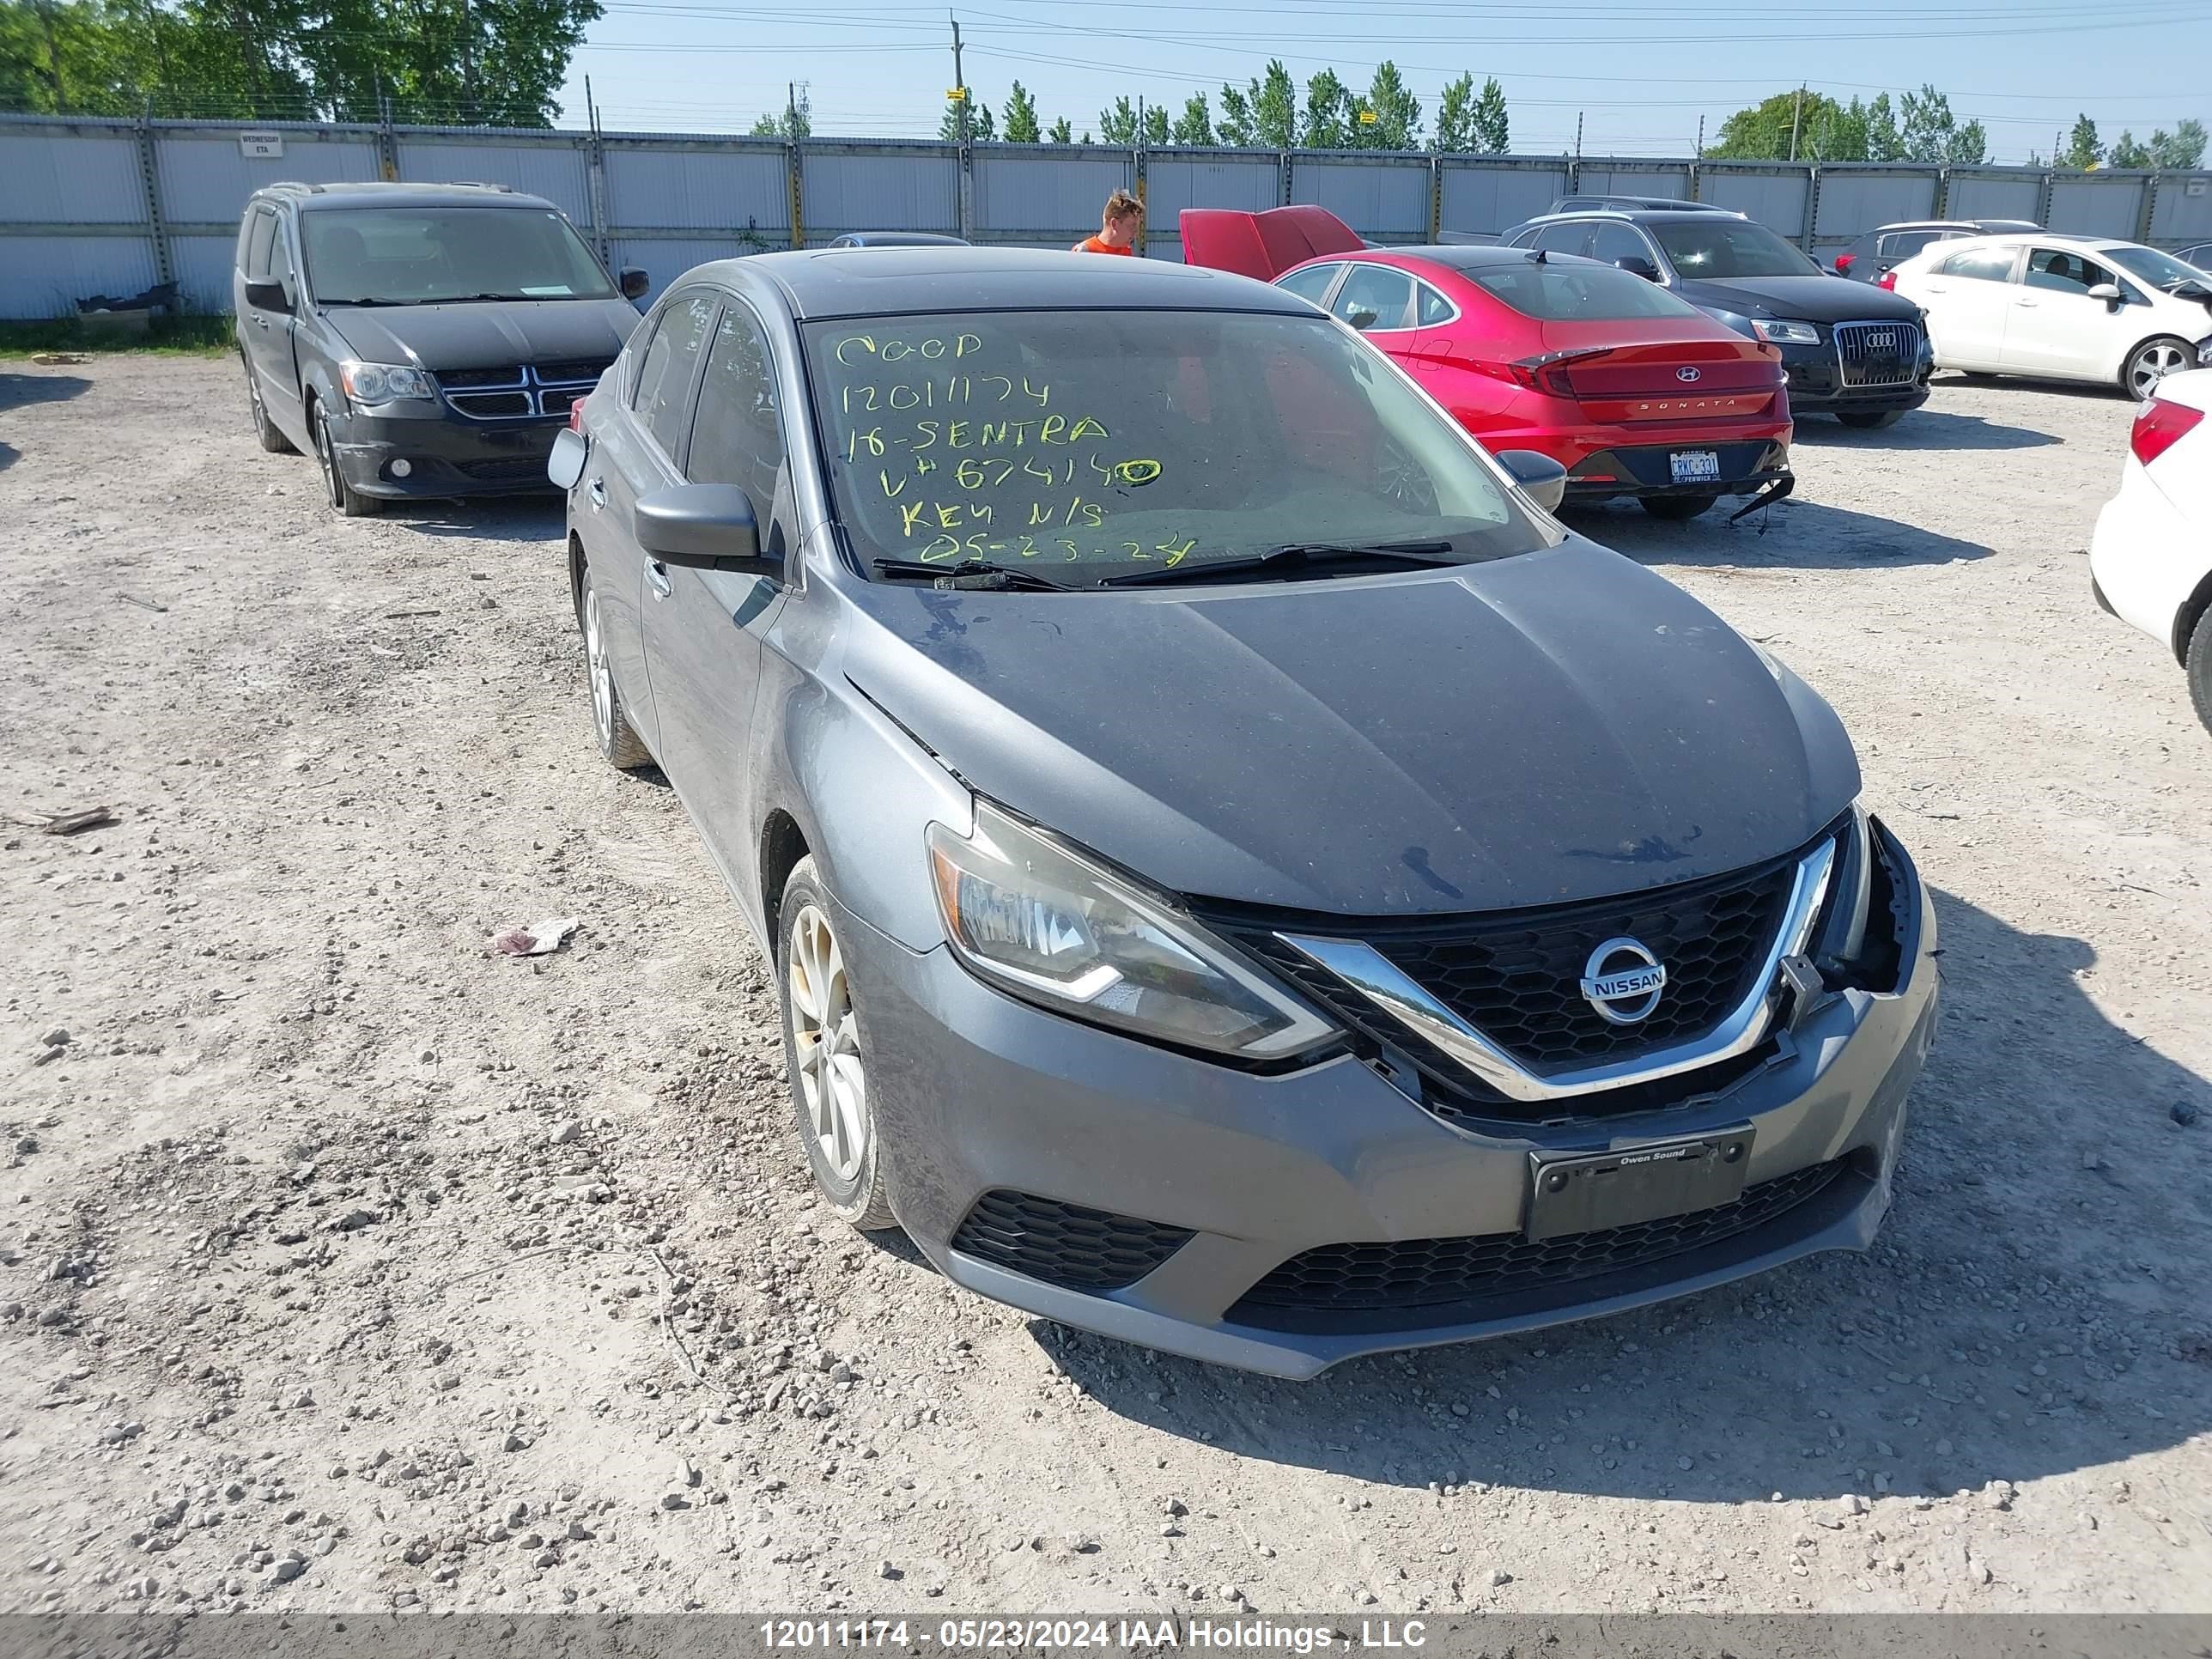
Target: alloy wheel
[2153, 364]
[601, 671]
[827, 1038]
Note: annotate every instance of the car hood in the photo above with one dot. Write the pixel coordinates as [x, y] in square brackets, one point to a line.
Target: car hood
[486, 334]
[1560, 725]
[1812, 298]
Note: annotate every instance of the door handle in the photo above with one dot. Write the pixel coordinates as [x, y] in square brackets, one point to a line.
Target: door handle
[260, 321]
[597, 490]
[2025, 305]
[657, 573]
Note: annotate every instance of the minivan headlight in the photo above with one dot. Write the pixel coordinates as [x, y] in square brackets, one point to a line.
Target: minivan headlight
[384, 383]
[1785, 333]
[1027, 913]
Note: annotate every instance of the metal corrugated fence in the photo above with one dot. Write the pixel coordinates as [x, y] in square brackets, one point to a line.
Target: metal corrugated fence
[111, 207]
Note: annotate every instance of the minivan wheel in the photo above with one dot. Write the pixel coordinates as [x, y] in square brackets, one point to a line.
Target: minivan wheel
[265, 429]
[2199, 664]
[2151, 363]
[618, 741]
[1871, 420]
[823, 1054]
[341, 494]
[1676, 509]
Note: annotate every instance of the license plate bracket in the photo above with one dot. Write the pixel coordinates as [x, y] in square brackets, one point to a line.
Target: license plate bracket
[1583, 1193]
[1695, 465]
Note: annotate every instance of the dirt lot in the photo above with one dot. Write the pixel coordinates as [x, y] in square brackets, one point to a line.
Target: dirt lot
[345, 1265]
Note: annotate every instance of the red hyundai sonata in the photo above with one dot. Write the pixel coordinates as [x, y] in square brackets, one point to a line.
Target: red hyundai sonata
[1635, 392]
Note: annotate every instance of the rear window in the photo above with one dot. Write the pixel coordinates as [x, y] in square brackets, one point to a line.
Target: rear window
[1719, 249]
[1577, 291]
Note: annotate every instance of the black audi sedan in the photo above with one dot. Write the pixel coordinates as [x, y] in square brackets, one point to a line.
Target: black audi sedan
[420, 340]
[1238, 873]
[1852, 350]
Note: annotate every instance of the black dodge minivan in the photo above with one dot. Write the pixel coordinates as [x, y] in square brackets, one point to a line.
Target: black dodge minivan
[420, 340]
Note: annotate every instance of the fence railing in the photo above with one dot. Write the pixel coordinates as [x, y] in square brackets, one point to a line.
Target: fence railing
[90, 206]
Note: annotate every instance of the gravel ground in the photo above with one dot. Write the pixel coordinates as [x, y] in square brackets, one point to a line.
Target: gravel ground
[345, 1265]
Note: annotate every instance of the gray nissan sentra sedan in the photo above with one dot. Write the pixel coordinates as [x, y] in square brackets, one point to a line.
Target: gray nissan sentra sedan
[1240, 875]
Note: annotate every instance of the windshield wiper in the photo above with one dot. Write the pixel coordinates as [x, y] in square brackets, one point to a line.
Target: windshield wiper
[1292, 555]
[374, 302]
[971, 574]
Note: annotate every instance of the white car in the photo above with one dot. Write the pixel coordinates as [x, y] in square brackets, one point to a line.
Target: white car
[2059, 308]
[2150, 560]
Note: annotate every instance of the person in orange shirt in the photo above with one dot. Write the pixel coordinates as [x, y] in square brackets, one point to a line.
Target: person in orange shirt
[1117, 227]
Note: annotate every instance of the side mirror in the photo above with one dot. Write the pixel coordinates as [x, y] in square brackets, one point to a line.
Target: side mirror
[1636, 266]
[268, 296]
[704, 527]
[2108, 292]
[1544, 478]
[634, 282]
[566, 463]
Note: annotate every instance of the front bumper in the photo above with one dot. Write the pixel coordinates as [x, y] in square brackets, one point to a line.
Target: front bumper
[978, 1094]
[1817, 384]
[1647, 469]
[446, 456]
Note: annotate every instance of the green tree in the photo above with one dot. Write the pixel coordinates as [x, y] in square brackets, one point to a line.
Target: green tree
[1968, 146]
[1884, 142]
[1235, 126]
[1274, 108]
[1329, 114]
[1156, 124]
[794, 120]
[498, 63]
[1397, 123]
[2082, 151]
[1063, 133]
[1195, 125]
[1021, 126]
[1118, 125]
[1456, 115]
[2127, 153]
[2180, 149]
[1768, 129]
[1493, 130]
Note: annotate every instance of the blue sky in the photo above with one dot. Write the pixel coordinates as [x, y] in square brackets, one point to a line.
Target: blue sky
[1640, 73]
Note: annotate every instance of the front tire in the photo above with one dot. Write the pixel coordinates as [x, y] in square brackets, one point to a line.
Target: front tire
[618, 739]
[2151, 363]
[1871, 420]
[343, 495]
[824, 1057]
[2199, 664]
[272, 437]
[1676, 509]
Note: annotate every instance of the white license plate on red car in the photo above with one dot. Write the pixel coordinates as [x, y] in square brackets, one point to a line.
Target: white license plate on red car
[1695, 465]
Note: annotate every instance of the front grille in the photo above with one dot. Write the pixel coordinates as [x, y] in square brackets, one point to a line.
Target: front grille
[1877, 354]
[487, 394]
[1519, 981]
[1437, 1273]
[1065, 1244]
[486, 406]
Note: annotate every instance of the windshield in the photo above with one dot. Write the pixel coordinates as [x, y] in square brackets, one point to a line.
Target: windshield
[2161, 271]
[424, 256]
[1123, 441]
[1568, 290]
[1724, 249]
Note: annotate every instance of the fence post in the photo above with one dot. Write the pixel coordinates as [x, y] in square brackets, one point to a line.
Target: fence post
[595, 175]
[149, 175]
[2148, 207]
[387, 142]
[1137, 171]
[1811, 207]
[2046, 188]
[1436, 198]
[794, 172]
[1282, 178]
[1943, 208]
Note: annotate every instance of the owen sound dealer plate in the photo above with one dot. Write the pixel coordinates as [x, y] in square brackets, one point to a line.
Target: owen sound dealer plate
[1695, 465]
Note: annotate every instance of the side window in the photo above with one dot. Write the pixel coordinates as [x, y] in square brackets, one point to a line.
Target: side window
[1564, 239]
[2065, 271]
[1430, 307]
[1379, 289]
[1614, 242]
[1311, 283]
[280, 264]
[737, 434]
[257, 248]
[1981, 264]
[1904, 244]
[664, 383]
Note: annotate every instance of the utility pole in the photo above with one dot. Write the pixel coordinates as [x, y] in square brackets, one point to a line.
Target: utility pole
[1139, 142]
[966, 156]
[1796, 119]
[1701, 137]
[960, 84]
[469, 112]
[1578, 135]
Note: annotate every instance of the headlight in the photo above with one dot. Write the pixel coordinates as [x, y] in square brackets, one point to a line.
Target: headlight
[384, 383]
[1029, 913]
[1785, 333]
